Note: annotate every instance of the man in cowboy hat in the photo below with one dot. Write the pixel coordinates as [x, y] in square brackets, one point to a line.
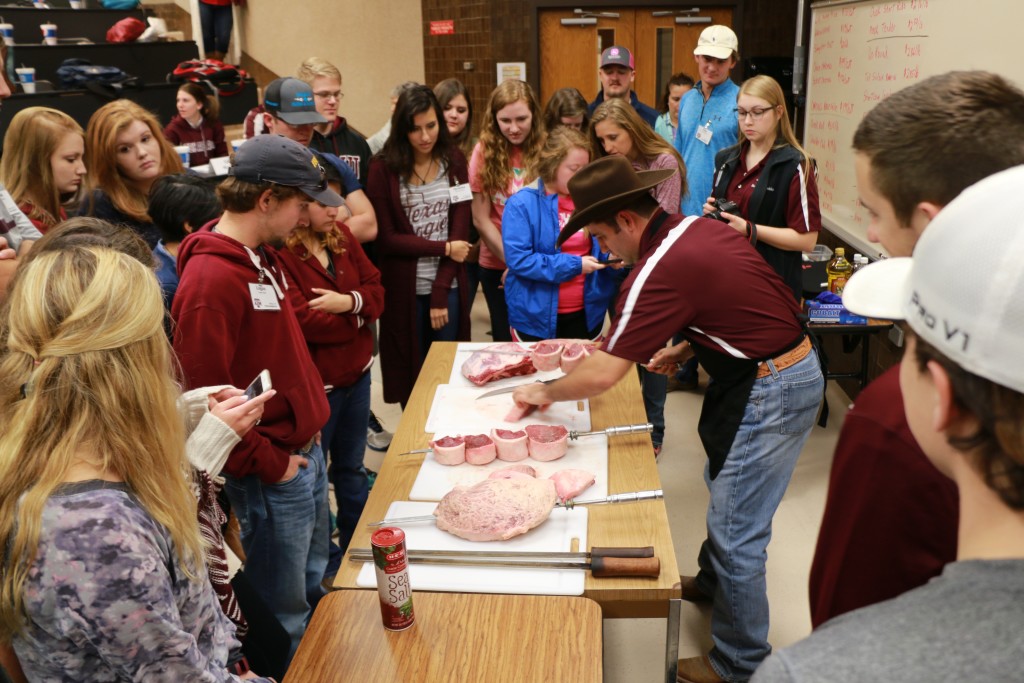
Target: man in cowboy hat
[743, 324]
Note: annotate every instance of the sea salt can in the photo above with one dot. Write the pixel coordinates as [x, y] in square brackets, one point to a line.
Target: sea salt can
[392, 567]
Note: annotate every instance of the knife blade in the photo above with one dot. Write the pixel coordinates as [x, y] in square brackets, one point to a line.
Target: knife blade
[509, 390]
[603, 562]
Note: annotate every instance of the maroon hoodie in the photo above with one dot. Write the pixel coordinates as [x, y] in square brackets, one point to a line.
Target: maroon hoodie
[204, 142]
[221, 339]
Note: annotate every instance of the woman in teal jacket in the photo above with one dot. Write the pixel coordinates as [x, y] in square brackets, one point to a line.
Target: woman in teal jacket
[551, 291]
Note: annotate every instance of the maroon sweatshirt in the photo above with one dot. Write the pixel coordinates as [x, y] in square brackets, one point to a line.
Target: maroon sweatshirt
[341, 345]
[221, 339]
[204, 143]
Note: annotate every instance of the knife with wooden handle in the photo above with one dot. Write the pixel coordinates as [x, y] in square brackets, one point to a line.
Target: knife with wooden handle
[602, 562]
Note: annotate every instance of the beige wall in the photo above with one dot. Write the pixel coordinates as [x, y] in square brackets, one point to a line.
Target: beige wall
[375, 44]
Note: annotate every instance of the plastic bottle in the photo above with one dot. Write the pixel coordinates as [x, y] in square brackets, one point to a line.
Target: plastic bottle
[839, 271]
[859, 261]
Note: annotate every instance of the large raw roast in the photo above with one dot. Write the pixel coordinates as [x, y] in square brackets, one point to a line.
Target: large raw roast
[490, 364]
[496, 509]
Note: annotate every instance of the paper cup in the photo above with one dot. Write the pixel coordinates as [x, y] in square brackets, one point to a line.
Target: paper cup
[7, 31]
[49, 33]
[182, 151]
[27, 76]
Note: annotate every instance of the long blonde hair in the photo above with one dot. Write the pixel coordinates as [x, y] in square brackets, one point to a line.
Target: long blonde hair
[106, 124]
[769, 90]
[497, 170]
[648, 144]
[26, 169]
[88, 367]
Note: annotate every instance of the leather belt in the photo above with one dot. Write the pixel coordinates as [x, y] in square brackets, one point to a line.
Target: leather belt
[783, 361]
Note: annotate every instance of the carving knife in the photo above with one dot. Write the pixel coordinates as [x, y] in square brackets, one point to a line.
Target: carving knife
[509, 390]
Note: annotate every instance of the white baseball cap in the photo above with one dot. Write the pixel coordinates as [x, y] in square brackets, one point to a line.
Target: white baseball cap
[717, 41]
[963, 289]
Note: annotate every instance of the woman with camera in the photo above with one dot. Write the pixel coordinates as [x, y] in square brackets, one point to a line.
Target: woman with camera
[771, 180]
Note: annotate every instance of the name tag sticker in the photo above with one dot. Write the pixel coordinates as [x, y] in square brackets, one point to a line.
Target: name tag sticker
[460, 193]
[263, 298]
[704, 134]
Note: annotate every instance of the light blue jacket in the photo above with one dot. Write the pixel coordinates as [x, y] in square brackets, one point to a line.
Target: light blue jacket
[536, 267]
[694, 112]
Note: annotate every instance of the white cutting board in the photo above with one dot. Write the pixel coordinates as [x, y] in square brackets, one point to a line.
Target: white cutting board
[456, 410]
[466, 349]
[589, 453]
[554, 535]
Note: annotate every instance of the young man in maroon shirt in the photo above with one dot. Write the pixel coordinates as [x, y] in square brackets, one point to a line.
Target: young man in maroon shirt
[890, 520]
[742, 323]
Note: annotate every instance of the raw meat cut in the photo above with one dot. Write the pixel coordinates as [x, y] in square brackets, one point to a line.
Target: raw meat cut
[572, 355]
[511, 445]
[545, 355]
[479, 449]
[517, 413]
[496, 509]
[547, 442]
[516, 472]
[488, 365]
[449, 450]
[571, 483]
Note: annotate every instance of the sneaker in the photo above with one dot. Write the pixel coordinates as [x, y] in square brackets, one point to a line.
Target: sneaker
[657, 452]
[377, 438]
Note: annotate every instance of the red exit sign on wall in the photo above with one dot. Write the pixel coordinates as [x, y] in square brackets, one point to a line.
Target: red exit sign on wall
[442, 28]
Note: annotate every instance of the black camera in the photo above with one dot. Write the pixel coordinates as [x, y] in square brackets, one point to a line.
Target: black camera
[720, 206]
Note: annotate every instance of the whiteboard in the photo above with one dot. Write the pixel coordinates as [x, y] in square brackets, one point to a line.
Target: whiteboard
[862, 52]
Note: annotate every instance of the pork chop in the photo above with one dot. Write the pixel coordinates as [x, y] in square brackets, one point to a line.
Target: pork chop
[496, 509]
[511, 445]
[479, 449]
[547, 442]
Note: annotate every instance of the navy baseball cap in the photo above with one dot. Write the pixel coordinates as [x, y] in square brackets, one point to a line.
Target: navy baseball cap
[277, 159]
[291, 100]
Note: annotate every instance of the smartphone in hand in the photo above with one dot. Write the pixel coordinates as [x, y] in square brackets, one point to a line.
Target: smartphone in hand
[258, 385]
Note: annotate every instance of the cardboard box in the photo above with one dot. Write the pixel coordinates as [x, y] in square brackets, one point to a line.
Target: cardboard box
[833, 313]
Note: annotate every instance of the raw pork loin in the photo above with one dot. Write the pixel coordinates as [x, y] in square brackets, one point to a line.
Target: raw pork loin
[449, 450]
[545, 355]
[571, 483]
[511, 445]
[479, 449]
[487, 365]
[516, 472]
[547, 442]
[496, 509]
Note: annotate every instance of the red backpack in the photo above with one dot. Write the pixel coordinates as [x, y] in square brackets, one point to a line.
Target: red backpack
[226, 79]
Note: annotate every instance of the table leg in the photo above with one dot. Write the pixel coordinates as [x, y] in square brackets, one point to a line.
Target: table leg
[675, 608]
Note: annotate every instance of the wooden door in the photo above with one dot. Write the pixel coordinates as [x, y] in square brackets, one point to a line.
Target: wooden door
[570, 55]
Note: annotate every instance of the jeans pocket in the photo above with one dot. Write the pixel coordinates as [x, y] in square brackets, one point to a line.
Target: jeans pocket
[800, 402]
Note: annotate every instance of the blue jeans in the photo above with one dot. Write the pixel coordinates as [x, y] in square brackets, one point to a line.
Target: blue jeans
[217, 22]
[428, 335]
[285, 533]
[653, 387]
[345, 438]
[744, 496]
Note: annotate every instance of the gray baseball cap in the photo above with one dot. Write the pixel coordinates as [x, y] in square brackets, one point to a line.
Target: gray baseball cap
[276, 159]
[291, 100]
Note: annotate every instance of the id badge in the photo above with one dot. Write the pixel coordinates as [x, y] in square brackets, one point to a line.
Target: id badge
[704, 133]
[264, 298]
[460, 193]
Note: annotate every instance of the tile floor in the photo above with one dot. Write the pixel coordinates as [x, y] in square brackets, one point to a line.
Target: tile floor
[634, 648]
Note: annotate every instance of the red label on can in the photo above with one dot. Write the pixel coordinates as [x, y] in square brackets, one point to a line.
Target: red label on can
[391, 566]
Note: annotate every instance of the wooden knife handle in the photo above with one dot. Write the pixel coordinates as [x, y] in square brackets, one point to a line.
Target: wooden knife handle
[605, 567]
[622, 552]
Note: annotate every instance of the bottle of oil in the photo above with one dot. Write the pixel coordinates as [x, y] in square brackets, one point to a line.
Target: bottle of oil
[839, 271]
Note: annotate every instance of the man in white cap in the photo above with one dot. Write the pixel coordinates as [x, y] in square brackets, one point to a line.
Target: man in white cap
[963, 384]
[617, 74]
[707, 113]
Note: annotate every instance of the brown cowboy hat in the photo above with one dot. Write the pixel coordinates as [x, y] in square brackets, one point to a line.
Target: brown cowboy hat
[606, 185]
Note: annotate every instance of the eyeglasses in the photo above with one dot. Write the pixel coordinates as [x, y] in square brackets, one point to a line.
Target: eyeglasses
[755, 114]
[330, 95]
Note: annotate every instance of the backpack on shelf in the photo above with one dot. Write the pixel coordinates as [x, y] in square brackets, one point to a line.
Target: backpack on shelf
[225, 78]
[107, 81]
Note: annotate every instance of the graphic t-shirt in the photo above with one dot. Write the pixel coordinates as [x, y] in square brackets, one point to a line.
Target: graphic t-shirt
[570, 292]
[498, 199]
[427, 209]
